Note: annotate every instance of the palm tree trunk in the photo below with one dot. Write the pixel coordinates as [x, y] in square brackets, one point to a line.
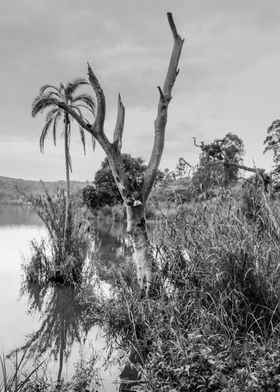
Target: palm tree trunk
[67, 169]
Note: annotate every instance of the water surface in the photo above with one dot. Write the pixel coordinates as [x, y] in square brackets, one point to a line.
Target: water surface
[51, 319]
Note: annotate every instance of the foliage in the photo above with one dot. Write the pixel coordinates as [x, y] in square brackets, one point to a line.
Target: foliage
[105, 191]
[51, 260]
[272, 143]
[212, 321]
[86, 378]
[50, 98]
[12, 190]
[19, 379]
[213, 169]
[118, 213]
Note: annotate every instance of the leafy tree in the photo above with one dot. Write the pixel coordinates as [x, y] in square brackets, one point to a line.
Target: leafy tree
[48, 99]
[272, 143]
[219, 162]
[182, 168]
[105, 190]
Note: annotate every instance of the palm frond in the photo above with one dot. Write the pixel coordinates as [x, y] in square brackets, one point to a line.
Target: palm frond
[47, 86]
[52, 113]
[72, 86]
[42, 102]
[70, 162]
[83, 139]
[75, 107]
[54, 94]
[93, 142]
[57, 117]
[87, 100]
[44, 134]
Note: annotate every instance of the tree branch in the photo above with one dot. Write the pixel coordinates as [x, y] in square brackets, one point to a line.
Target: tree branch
[194, 142]
[98, 125]
[73, 113]
[119, 124]
[161, 120]
[230, 163]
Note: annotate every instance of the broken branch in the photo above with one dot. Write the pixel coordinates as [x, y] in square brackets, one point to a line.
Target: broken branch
[161, 120]
[119, 124]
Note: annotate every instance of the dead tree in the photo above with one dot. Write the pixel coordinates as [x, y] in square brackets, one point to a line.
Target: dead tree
[135, 200]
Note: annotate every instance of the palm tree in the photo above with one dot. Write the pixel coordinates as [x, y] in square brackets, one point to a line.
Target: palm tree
[50, 97]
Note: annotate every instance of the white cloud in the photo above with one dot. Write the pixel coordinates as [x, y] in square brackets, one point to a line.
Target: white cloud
[228, 81]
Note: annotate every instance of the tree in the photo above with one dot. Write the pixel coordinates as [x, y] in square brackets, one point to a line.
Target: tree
[48, 98]
[219, 162]
[272, 143]
[134, 199]
[105, 191]
[182, 169]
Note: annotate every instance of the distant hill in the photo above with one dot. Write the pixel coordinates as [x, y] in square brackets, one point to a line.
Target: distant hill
[11, 188]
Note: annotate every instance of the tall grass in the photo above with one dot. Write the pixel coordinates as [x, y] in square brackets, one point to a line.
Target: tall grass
[213, 322]
[17, 380]
[58, 258]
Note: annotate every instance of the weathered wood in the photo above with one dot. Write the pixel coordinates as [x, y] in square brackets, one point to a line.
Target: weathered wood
[134, 201]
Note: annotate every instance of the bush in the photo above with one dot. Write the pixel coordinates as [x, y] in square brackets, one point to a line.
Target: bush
[118, 213]
[105, 212]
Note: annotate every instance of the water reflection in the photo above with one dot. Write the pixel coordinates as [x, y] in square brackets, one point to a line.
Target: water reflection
[55, 314]
[62, 322]
[112, 244]
[11, 215]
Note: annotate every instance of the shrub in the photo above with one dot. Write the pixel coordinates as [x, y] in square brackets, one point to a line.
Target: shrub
[118, 213]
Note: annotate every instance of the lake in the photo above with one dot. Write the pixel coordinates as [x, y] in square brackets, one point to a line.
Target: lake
[50, 319]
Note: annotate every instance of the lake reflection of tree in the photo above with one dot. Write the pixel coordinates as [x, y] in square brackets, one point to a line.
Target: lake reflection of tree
[63, 321]
[112, 244]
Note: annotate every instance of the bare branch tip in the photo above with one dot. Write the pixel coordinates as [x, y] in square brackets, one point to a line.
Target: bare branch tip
[160, 92]
[172, 23]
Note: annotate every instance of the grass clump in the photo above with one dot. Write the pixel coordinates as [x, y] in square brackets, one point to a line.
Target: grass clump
[58, 258]
[17, 379]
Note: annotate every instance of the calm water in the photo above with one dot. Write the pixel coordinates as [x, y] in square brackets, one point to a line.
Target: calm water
[51, 319]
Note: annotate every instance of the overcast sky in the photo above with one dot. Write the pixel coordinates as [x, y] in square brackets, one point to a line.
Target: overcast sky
[229, 77]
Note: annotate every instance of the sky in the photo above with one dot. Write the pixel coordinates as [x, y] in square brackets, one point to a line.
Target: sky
[229, 78]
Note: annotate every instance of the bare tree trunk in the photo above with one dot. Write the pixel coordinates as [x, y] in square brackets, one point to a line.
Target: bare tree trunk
[135, 204]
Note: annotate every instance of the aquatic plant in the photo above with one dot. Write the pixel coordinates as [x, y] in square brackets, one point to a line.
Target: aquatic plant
[53, 259]
[17, 379]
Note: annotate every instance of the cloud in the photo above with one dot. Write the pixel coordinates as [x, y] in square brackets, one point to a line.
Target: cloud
[129, 45]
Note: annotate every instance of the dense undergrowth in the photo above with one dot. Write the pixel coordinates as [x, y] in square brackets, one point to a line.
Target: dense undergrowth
[212, 319]
[212, 323]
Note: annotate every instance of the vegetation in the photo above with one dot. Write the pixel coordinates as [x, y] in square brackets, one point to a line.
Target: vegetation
[105, 191]
[272, 143]
[53, 259]
[209, 319]
[49, 97]
[212, 323]
[19, 379]
[213, 168]
[12, 190]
